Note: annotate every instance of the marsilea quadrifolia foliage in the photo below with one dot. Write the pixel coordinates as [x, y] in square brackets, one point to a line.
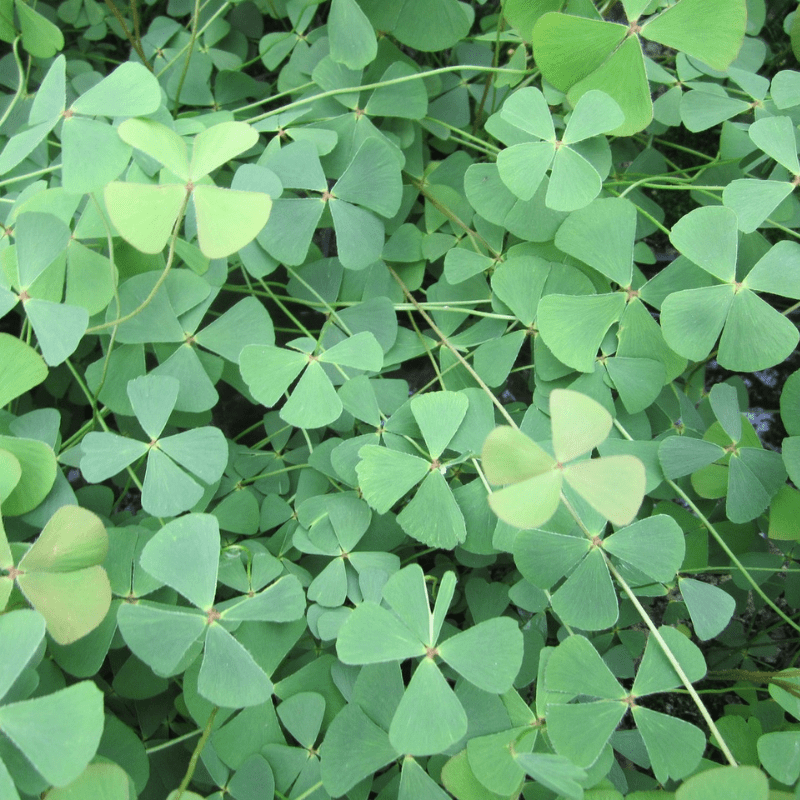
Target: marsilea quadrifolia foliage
[399, 400]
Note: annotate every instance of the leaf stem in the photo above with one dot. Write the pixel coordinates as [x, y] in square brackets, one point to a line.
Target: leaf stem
[446, 342]
[728, 552]
[164, 745]
[192, 40]
[467, 139]
[20, 89]
[35, 174]
[379, 84]
[146, 302]
[489, 80]
[135, 43]
[672, 660]
[223, 7]
[428, 353]
[196, 754]
[720, 541]
[307, 793]
[474, 236]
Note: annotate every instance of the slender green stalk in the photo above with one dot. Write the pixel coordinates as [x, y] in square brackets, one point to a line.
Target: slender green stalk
[466, 139]
[20, 81]
[428, 353]
[100, 417]
[728, 552]
[379, 84]
[446, 342]
[476, 122]
[306, 794]
[258, 103]
[189, 52]
[254, 478]
[35, 174]
[322, 301]
[136, 43]
[161, 278]
[196, 754]
[673, 661]
[164, 745]
[473, 235]
[720, 541]
[218, 13]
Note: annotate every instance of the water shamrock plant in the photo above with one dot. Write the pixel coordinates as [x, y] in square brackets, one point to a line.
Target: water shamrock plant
[399, 401]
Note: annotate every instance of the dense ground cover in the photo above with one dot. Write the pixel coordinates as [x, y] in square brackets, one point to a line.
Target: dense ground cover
[399, 400]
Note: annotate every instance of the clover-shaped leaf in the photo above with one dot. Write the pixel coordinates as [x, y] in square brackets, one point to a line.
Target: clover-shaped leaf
[370, 184]
[21, 368]
[580, 730]
[533, 479]
[578, 54]
[752, 334]
[59, 733]
[743, 472]
[92, 152]
[269, 371]
[145, 214]
[333, 525]
[602, 235]
[429, 718]
[574, 181]
[29, 471]
[754, 200]
[61, 575]
[168, 488]
[385, 475]
[573, 326]
[35, 276]
[649, 550]
[184, 554]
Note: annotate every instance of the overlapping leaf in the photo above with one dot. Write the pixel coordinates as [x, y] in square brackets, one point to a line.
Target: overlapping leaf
[173, 462]
[574, 181]
[184, 554]
[578, 54]
[269, 371]
[752, 334]
[62, 576]
[385, 476]
[581, 730]
[429, 717]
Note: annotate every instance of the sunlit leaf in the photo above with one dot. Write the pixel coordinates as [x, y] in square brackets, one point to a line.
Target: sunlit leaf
[228, 219]
[579, 424]
[144, 214]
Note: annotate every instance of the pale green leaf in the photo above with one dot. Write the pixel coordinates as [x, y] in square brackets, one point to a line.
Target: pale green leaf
[228, 219]
[130, 90]
[710, 607]
[58, 733]
[184, 554]
[229, 676]
[429, 718]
